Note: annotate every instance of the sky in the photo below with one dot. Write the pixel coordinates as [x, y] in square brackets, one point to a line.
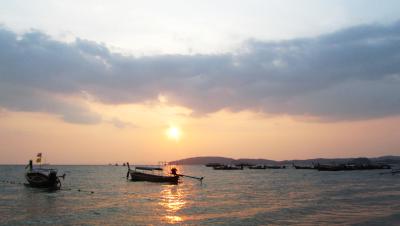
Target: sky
[95, 82]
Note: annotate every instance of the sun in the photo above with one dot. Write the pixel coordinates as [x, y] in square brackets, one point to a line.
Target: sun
[174, 133]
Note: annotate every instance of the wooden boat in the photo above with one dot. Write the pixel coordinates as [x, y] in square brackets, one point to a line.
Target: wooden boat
[43, 178]
[275, 167]
[258, 167]
[348, 167]
[139, 173]
[213, 164]
[266, 167]
[228, 167]
[331, 168]
[303, 167]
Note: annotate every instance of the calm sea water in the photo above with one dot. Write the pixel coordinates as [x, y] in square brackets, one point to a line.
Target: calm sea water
[248, 197]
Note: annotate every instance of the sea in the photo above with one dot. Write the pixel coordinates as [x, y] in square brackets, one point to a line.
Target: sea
[101, 195]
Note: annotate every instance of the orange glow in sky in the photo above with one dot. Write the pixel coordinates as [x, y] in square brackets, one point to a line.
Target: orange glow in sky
[143, 137]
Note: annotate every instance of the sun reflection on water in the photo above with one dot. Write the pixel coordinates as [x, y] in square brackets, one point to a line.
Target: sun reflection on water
[172, 199]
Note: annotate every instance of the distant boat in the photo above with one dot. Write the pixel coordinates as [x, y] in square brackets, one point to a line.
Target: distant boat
[42, 177]
[348, 167]
[276, 167]
[228, 167]
[303, 167]
[266, 167]
[213, 164]
[151, 174]
[258, 167]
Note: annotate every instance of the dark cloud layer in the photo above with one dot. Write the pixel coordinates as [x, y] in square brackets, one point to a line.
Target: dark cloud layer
[345, 75]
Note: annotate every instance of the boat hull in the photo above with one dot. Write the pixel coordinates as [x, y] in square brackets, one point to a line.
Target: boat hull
[138, 176]
[350, 167]
[257, 167]
[304, 167]
[40, 180]
[228, 168]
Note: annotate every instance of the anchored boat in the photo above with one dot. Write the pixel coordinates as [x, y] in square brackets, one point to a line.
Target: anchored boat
[348, 167]
[228, 167]
[42, 177]
[258, 167]
[213, 164]
[303, 167]
[151, 174]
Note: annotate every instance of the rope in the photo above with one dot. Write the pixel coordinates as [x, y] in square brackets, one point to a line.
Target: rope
[11, 182]
[63, 189]
[78, 190]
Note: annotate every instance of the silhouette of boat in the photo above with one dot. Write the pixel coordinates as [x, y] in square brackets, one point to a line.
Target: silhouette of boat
[347, 167]
[42, 177]
[258, 167]
[213, 164]
[275, 167]
[320, 167]
[266, 167]
[228, 167]
[142, 173]
[303, 167]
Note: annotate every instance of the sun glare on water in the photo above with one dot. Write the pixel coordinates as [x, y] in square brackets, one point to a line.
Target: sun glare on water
[174, 133]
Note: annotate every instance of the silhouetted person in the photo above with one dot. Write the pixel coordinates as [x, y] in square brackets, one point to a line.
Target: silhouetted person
[30, 165]
[173, 171]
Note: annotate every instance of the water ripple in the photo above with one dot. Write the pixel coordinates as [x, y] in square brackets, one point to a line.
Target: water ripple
[259, 197]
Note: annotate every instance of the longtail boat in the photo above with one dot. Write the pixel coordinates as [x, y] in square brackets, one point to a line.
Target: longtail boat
[151, 174]
[228, 167]
[42, 177]
[213, 164]
[302, 167]
[348, 167]
[258, 167]
[275, 167]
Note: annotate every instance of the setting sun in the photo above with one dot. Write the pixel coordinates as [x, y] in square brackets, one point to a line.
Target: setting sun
[174, 133]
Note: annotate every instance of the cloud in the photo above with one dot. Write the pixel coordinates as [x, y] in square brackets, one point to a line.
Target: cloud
[345, 75]
[22, 98]
[121, 124]
[3, 112]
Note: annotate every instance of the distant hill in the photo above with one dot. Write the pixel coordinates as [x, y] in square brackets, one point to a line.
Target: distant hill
[255, 162]
[390, 159]
[222, 160]
[383, 160]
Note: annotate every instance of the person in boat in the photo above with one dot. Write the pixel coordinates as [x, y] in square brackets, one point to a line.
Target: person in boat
[174, 171]
[30, 165]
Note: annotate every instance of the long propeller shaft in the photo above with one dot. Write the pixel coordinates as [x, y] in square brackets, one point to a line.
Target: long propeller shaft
[198, 178]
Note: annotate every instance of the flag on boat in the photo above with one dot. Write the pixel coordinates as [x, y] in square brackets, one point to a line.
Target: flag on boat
[39, 158]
